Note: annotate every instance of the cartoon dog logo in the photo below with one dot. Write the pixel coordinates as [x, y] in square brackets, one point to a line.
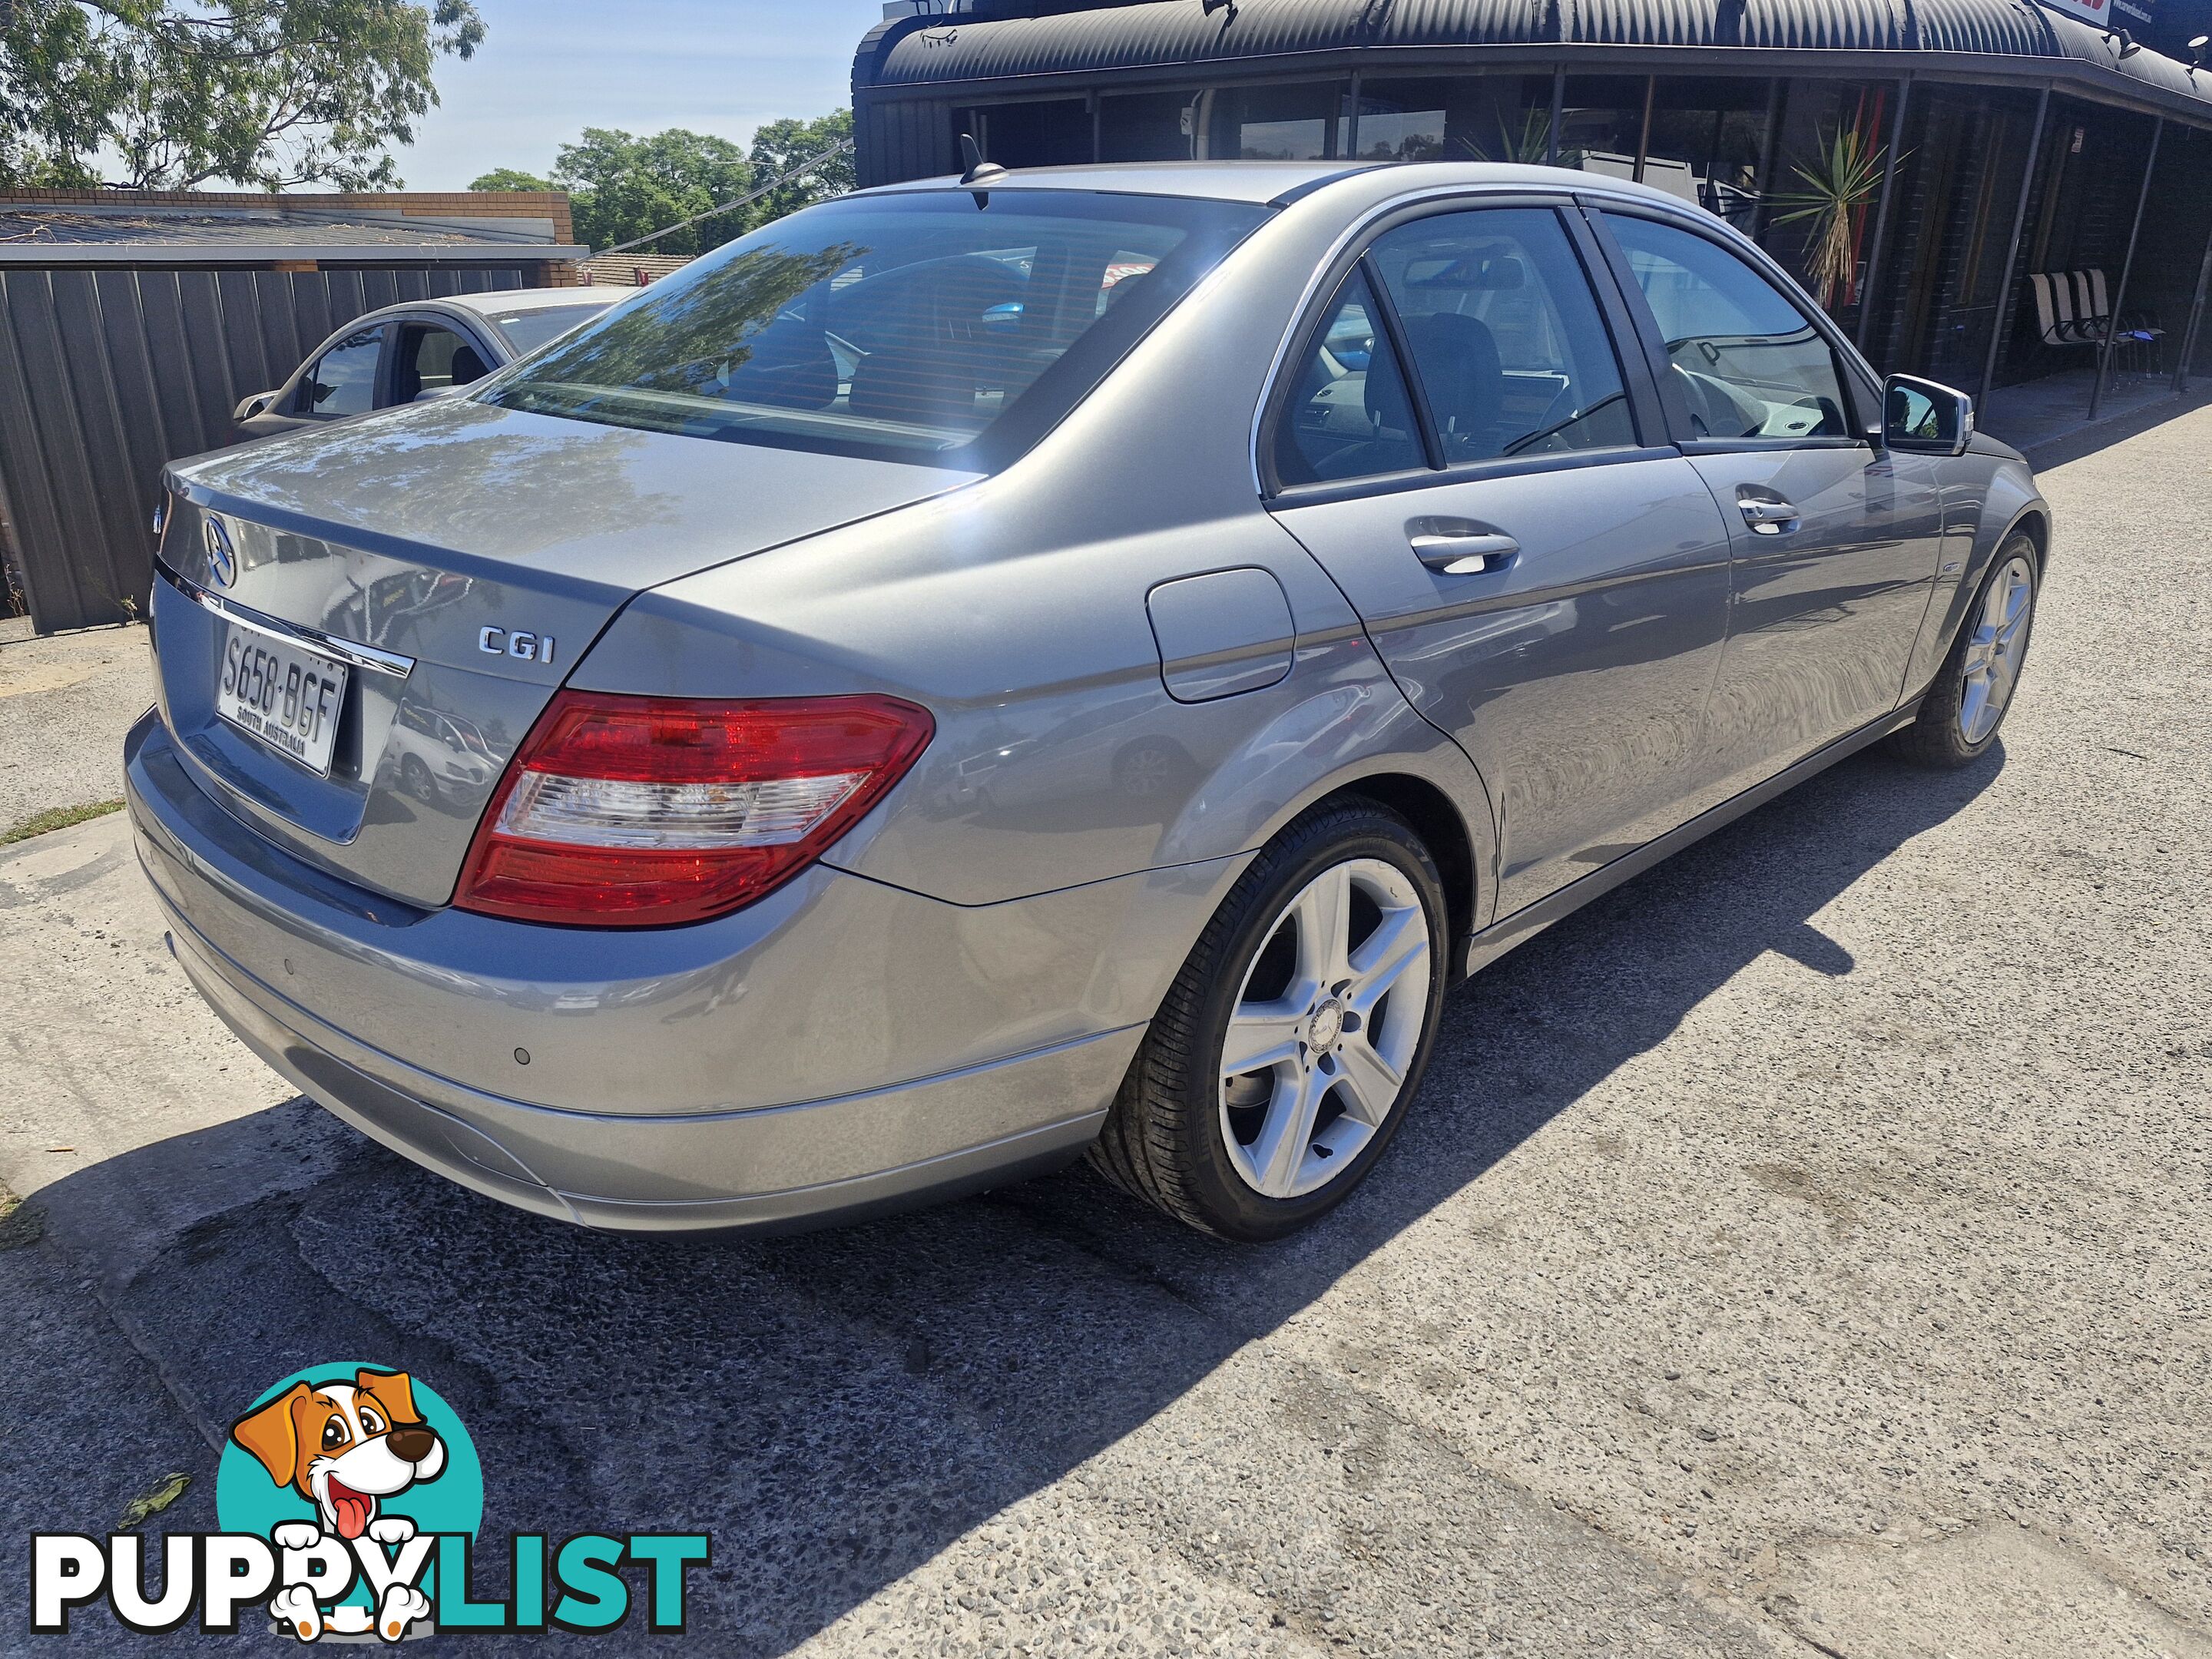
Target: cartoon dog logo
[345, 1447]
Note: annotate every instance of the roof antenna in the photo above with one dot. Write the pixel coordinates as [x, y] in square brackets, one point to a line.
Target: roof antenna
[979, 170]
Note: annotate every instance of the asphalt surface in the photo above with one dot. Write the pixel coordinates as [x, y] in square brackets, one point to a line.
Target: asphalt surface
[1803, 1250]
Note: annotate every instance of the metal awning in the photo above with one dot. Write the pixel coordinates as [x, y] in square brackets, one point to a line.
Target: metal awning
[1158, 39]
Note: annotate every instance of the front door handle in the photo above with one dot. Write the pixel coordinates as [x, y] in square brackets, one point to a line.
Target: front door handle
[1466, 553]
[1768, 514]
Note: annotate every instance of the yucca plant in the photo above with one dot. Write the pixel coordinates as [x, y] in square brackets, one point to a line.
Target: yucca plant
[1530, 145]
[1841, 179]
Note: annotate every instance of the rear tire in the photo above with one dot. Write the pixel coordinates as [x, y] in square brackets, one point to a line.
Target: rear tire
[1327, 964]
[1965, 708]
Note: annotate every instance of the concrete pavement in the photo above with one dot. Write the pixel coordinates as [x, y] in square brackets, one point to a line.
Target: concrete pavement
[63, 699]
[1801, 1251]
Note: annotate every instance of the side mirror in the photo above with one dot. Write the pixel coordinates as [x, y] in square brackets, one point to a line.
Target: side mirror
[1923, 417]
[257, 405]
[437, 394]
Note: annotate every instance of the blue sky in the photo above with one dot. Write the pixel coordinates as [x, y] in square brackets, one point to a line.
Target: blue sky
[548, 68]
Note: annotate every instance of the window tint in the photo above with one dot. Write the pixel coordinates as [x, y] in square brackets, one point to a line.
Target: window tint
[1348, 415]
[908, 325]
[343, 380]
[432, 359]
[1748, 360]
[1506, 338]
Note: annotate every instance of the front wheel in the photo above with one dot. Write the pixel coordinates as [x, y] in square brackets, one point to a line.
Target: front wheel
[1281, 1062]
[1959, 718]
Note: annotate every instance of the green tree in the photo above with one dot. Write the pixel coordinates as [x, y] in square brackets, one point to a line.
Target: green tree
[621, 187]
[171, 94]
[511, 179]
[781, 145]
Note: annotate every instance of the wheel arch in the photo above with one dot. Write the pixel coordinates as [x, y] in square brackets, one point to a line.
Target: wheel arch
[2034, 523]
[1443, 831]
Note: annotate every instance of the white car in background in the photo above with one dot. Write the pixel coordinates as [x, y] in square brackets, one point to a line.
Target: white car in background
[418, 350]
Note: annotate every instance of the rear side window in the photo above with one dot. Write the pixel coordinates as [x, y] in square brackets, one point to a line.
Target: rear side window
[1349, 414]
[343, 380]
[1746, 359]
[950, 327]
[1505, 335]
[430, 360]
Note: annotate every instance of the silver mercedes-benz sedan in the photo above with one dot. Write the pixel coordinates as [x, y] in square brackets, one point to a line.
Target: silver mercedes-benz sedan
[1080, 658]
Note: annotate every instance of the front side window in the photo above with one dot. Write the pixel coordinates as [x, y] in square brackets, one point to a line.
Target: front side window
[1505, 335]
[1349, 414]
[950, 327]
[343, 380]
[1744, 358]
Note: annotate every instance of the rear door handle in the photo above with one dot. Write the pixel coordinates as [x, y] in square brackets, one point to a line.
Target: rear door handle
[1465, 554]
[1767, 515]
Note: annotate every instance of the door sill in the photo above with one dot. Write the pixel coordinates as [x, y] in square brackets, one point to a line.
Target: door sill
[1524, 924]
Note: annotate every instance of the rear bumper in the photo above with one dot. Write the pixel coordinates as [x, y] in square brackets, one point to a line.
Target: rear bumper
[674, 1174]
[650, 1053]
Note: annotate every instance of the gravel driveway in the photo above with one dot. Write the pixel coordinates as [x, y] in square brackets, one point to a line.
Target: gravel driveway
[1804, 1250]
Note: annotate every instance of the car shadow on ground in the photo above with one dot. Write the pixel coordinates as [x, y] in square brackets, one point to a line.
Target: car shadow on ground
[837, 1408]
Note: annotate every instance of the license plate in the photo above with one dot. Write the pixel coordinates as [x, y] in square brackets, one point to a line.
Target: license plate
[283, 693]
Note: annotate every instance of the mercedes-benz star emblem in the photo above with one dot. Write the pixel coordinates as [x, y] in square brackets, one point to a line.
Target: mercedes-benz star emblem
[222, 559]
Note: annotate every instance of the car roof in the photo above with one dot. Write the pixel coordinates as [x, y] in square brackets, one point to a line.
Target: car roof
[536, 299]
[1277, 182]
[1227, 181]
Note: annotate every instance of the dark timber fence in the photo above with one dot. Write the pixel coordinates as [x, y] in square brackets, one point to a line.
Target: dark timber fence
[107, 371]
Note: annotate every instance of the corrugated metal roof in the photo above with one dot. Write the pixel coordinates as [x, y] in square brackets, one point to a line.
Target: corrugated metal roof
[72, 227]
[1163, 33]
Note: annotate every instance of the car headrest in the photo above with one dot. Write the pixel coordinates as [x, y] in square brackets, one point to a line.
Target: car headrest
[1460, 369]
[467, 366]
[787, 373]
[922, 388]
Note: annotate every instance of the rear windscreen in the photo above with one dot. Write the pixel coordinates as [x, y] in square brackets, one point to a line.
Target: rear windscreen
[946, 327]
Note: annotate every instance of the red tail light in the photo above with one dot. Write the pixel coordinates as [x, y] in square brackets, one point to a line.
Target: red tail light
[640, 811]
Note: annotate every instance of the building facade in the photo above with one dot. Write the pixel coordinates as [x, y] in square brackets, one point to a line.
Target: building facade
[1918, 164]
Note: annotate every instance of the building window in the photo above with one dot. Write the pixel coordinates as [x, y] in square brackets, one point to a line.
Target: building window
[1705, 140]
[1602, 123]
[1147, 126]
[1461, 118]
[1035, 134]
[1818, 216]
[1300, 123]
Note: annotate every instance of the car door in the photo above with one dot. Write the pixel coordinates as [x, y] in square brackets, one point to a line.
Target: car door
[1464, 445]
[1837, 541]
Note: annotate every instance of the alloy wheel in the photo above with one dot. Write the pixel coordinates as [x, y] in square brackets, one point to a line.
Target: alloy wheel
[1326, 1024]
[1994, 651]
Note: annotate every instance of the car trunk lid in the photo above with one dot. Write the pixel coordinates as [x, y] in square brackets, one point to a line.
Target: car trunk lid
[459, 559]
